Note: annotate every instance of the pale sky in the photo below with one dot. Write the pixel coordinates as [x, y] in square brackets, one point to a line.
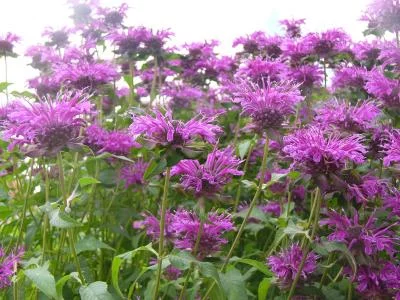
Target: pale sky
[191, 21]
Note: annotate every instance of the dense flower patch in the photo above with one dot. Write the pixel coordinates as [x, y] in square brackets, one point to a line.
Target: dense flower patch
[135, 168]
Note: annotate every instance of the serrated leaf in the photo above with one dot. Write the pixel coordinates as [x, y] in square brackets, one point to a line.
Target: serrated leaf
[61, 219]
[95, 291]
[90, 243]
[208, 270]
[84, 181]
[234, 285]
[263, 288]
[43, 280]
[182, 260]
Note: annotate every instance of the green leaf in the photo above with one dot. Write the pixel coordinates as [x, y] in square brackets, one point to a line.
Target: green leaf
[4, 86]
[182, 260]
[234, 285]
[43, 280]
[90, 243]
[263, 288]
[243, 148]
[61, 219]
[325, 247]
[208, 270]
[292, 229]
[117, 261]
[63, 280]
[95, 291]
[260, 266]
[25, 94]
[84, 181]
[332, 293]
[155, 168]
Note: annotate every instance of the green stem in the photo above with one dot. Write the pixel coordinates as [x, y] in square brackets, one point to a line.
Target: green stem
[239, 190]
[70, 231]
[306, 245]
[25, 207]
[164, 205]
[252, 204]
[397, 39]
[237, 129]
[153, 83]
[46, 218]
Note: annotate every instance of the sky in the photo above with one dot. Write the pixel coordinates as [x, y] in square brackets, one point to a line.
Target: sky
[190, 20]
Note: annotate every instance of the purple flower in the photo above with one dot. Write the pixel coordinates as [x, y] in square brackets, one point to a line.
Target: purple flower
[358, 118]
[270, 105]
[7, 44]
[163, 130]
[85, 75]
[49, 126]
[381, 281]
[115, 142]
[181, 96]
[133, 173]
[391, 201]
[349, 77]
[113, 17]
[384, 14]
[307, 76]
[152, 226]
[383, 88]
[367, 189]
[8, 266]
[58, 38]
[260, 71]
[292, 27]
[286, 263]
[272, 207]
[186, 225]
[392, 149]
[210, 177]
[328, 43]
[366, 237]
[258, 43]
[319, 152]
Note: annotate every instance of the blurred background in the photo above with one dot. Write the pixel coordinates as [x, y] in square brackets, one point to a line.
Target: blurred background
[191, 21]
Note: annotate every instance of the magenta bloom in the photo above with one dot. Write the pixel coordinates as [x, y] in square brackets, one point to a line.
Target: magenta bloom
[286, 263]
[210, 177]
[292, 27]
[163, 130]
[133, 173]
[349, 77]
[185, 226]
[384, 14]
[152, 226]
[49, 126]
[378, 282]
[260, 71]
[383, 88]
[272, 207]
[366, 237]
[328, 43]
[7, 44]
[85, 75]
[392, 149]
[270, 105]
[358, 118]
[115, 142]
[366, 189]
[182, 96]
[391, 201]
[319, 152]
[307, 76]
[8, 266]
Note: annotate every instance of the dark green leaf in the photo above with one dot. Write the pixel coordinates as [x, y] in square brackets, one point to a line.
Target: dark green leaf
[90, 243]
[43, 280]
[95, 291]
